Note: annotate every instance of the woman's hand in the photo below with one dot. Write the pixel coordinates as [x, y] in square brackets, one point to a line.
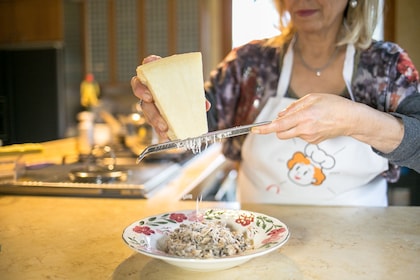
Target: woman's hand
[151, 112]
[148, 106]
[317, 117]
[314, 118]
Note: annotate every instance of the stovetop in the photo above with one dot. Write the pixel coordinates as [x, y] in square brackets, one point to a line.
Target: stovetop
[138, 180]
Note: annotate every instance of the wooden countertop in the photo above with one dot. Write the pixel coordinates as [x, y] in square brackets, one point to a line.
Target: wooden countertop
[80, 238]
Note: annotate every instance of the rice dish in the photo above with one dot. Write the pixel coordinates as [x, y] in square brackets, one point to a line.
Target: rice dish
[205, 240]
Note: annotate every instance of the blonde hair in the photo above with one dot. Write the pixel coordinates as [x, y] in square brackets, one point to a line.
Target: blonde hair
[359, 24]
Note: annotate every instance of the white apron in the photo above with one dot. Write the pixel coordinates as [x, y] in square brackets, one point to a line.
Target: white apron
[339, 171]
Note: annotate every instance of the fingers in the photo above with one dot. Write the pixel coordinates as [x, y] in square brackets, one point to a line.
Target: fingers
[148, 106]
[151, 58]
[286, 120]
[313, 118]
[280, 126]
[140, 90]
[154, 117]
[296, 107]
[208, 105]
[265, 129]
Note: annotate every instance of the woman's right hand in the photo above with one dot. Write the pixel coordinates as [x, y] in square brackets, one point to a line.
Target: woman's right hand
[151, 112]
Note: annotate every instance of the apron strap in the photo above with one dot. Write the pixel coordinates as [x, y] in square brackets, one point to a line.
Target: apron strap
[348, 68]
[286, 71]
[287, 65]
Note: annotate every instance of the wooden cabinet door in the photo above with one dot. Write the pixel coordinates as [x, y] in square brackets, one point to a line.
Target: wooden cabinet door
[23, 21]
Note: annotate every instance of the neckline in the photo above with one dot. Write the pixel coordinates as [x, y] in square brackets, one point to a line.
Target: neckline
[287, 64]
[317, 70]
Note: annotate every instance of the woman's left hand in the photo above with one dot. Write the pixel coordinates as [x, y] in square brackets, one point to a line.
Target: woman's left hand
[314, 118]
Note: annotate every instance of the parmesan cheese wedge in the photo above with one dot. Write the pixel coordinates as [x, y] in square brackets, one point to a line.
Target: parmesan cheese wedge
[177, 86]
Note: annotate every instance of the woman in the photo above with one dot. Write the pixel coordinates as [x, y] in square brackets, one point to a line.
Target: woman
[345, 108]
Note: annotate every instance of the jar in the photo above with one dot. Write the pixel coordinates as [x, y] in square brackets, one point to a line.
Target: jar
[85, 132]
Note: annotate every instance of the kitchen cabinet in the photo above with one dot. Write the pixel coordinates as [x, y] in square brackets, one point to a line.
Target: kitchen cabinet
[120, 33]
[31, 95]
[29, 21]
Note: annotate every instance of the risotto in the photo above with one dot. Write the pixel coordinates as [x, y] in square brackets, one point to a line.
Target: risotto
[205, 240]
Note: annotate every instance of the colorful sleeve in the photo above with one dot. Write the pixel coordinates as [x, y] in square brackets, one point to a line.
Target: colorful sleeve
[238, 89]
[387, 80]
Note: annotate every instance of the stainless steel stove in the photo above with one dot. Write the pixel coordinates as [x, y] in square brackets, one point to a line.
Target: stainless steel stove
[137, 181]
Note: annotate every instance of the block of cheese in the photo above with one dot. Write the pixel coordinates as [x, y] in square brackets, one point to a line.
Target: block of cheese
[177, 86]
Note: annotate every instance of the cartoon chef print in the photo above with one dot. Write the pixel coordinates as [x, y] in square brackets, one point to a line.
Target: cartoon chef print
[307, 168]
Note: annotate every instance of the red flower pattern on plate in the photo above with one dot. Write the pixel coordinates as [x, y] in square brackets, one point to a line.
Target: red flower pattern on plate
[274, 235]
[143, 229]
[195, 217]
[178, 217]
[244, 219]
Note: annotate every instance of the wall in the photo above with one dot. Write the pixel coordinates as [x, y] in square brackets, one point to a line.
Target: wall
[407, 28]
[211, 38]
[406, 33]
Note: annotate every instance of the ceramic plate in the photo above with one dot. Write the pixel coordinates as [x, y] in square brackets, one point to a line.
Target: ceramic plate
[268, 235]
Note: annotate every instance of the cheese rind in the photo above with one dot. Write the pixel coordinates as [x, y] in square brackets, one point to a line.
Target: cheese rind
[177, 86]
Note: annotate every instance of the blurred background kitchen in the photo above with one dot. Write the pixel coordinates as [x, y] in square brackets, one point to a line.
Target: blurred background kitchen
[48, 46]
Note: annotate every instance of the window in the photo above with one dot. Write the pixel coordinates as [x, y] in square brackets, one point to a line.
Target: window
[253, 19]
[257, 19]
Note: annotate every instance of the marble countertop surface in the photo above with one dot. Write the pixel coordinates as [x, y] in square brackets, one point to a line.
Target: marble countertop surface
[80, 238]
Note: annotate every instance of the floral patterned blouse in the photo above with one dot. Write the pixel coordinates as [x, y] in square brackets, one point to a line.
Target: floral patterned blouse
[384, 78]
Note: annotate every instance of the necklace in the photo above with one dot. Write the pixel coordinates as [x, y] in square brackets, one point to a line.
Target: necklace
[319, 69]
